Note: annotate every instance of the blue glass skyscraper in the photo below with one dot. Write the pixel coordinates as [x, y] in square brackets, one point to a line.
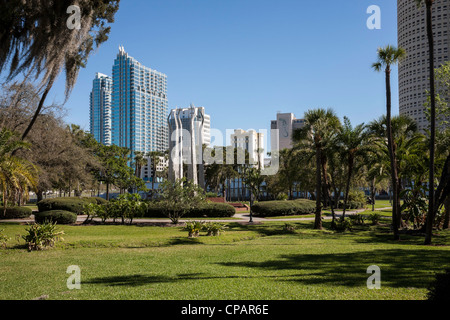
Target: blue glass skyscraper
[100, 108]
[139, 106]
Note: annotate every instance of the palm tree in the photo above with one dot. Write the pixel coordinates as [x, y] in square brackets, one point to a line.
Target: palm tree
[431, 193]
[253, 180]
[139, 162]
[320, 125]
[155, 159]
[408, 145]
[17, 175]
[388, 57]
[352, 144]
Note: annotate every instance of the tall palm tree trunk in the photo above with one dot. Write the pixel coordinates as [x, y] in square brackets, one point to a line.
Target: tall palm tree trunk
[347, 185]
[318, 219]
[372, 193]
[431, 201]
[394, 173]
[153, 174]
[447, 213]
[328, 192]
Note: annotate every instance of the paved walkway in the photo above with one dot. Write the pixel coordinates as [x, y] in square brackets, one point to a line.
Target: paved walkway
[238, 217]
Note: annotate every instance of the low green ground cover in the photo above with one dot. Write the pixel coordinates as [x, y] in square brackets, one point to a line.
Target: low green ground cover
[249, 262]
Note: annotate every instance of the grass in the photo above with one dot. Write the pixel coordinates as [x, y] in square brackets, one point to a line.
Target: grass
[248, 262]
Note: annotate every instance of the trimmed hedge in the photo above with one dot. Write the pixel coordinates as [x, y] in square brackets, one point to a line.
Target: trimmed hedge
[352, 205]
[207, 210]
[96, 200]
[16, 213]
[58, 216]
[71, 204]
[283, 208]
[212, 210]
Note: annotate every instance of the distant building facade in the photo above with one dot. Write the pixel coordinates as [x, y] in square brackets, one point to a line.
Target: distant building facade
[286, 123]
[252, 142]
[147, 169]
[414, 69]
[189, 130]
[139, 106]
[100, 108]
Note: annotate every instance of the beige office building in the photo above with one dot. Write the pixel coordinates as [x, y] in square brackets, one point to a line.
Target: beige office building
[286, 123]
[252, 142]
[414, 69]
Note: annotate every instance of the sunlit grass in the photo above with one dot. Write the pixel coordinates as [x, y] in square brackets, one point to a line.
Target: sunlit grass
[254, 262]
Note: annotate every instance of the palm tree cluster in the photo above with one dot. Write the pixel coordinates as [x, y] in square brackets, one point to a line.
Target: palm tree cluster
[17, 175]
[344, 156]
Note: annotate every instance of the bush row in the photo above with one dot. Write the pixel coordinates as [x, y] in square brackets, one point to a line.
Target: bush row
[72, 204]
[208, 210]
[16, 213]
[56, 216]
[352, 205]
[283, 208]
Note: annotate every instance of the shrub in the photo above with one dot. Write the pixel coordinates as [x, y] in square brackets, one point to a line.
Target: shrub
[75, 205]
[357, 219]
[344, 225]
[439, 289]
[56, 216]
[127, 206]
[154, 210]
[352, 204]
[357, 196]
[204, 210]
[42, 236]
[71, 204]
[194, 228]
[212, 210]
[289, 228]
[97, 200]
[284, 208]
[213, 228]
[3, 239]
[282, 196]
[16, 213]
[374, 218]
[211, 195]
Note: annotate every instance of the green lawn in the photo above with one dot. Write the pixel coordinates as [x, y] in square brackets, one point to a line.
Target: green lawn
[258, 262]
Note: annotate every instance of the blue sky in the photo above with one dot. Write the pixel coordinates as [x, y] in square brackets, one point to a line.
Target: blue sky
[244, 60]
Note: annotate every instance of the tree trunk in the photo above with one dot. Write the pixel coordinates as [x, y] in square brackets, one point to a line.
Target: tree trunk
[39, 195]
[107, 191]
[4, 203]
[347, 186]
[318, 219]
[394, 173]
[372, 192]
[328, 193]
[37, 112]
[431, 202]
[447, 213]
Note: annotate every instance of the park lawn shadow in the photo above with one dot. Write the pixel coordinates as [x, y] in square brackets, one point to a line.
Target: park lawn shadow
[137, 280]
[399, 268]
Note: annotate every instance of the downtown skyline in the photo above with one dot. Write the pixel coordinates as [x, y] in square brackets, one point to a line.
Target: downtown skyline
[246, 69]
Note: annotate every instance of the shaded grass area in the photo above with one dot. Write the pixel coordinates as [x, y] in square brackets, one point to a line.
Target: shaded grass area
[260, 261]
